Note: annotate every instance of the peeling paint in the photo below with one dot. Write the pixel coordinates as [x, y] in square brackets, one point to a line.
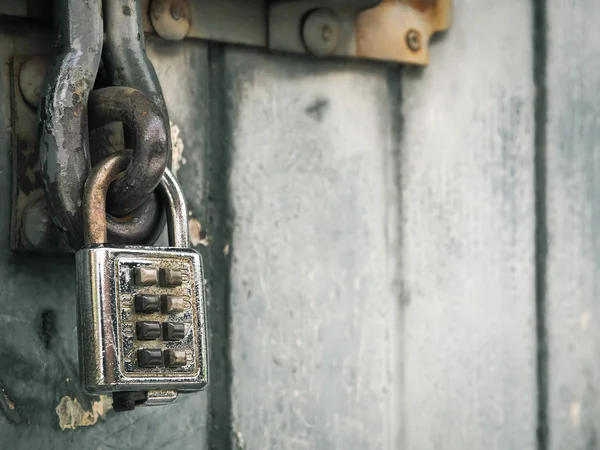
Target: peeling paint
[8, 406]
[575, 413]
[197, 237]
[585, 320]
[178, 146]
[71, 415]
[240, 443]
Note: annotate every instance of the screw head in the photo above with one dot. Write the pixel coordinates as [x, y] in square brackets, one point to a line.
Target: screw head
[170, 18]
[176, 12]
[320, 31]
[413, 40]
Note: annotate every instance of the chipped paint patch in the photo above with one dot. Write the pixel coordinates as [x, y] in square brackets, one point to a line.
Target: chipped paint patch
[240, 442]
[71, 415]
[178, 159]
[8, 406]
[9, 402]
[585, 320]
[197, 237]
[575, 413]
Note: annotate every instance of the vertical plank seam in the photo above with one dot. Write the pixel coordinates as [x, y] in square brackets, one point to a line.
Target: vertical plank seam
[217, 168]
[540, 50]
[395, 77]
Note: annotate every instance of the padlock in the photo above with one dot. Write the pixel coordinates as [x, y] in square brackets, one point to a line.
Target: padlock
[141, 310]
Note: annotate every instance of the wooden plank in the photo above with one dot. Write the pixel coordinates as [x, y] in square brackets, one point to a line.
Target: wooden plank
[468, 235]
[573, 223]
[313, 299]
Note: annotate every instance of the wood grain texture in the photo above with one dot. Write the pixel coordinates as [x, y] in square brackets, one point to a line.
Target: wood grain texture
[468, 236]
[370, 238]
[573, 222]
[313, 298]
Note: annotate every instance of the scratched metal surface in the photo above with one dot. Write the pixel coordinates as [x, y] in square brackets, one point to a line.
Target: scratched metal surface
[370, 236]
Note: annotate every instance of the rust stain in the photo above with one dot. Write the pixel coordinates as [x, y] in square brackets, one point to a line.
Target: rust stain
[422, 5]
[437, 12]
[124, 219]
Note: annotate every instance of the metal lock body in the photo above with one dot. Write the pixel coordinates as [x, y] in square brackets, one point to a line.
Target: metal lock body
[141, 310]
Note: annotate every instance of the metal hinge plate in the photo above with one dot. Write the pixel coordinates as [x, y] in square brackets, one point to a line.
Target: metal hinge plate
[391, 30]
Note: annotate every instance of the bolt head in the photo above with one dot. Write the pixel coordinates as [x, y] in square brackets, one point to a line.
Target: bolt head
[320, 31]
[170, 18]
[31, 80]
[176, 12]
[414, 40]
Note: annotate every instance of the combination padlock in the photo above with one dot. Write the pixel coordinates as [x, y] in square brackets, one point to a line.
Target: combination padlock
[141, 310]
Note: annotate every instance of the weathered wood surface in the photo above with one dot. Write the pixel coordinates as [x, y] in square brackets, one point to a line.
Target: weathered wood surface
[370, 233]
[314, 302]
[573, 224]
[468, 269]
[382, 287]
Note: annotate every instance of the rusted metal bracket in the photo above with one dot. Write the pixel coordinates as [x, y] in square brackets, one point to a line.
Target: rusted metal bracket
[400, 30]
[392, 30]
[32, 228]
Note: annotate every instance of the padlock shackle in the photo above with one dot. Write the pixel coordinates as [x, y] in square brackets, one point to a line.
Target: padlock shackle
[94, 201]
[177, 212]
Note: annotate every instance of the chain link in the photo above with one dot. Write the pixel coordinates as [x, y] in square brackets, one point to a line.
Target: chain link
[147, 130]
[134, 98]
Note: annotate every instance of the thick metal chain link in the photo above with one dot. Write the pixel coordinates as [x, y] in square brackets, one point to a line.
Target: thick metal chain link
[146, 127]
[133, 97]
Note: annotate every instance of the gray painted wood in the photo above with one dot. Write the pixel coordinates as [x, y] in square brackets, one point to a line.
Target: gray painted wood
[313, 298]
[467, 207]
[372, 311]
[381, 244]
[573, 222]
